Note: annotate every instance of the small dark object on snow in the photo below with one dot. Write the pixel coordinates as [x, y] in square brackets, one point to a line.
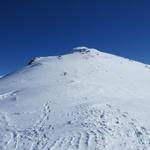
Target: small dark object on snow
[59, 57]
[65, 73]
[117, 122]
[69, 122]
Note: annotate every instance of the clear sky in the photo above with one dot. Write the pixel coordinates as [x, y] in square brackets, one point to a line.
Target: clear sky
[31, 28]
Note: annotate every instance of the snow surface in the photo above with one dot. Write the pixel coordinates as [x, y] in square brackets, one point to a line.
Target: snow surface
[86, 100]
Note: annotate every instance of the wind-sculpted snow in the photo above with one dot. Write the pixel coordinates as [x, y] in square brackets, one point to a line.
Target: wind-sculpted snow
[87, 100]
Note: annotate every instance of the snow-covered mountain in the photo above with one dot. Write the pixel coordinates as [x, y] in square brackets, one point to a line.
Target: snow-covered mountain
[86, 100]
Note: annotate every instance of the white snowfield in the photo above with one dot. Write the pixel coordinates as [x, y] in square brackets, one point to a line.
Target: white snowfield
[86, 100]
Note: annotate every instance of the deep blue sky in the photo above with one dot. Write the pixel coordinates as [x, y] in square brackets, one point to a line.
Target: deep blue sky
[31, 28]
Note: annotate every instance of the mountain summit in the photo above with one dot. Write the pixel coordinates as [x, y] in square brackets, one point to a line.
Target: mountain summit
[85, 100]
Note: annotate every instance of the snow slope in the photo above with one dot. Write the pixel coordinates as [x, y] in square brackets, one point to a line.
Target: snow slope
[86, 100]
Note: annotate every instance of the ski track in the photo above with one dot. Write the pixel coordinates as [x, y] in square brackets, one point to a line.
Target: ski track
[66, 104]
[91, 129]
[12, 95]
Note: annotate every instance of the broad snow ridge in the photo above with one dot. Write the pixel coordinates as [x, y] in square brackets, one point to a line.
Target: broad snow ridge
[86, 100]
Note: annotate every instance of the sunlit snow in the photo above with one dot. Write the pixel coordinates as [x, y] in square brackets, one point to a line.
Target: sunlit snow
[85, 100]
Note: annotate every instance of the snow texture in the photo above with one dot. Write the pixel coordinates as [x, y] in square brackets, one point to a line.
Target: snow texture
[86, 100]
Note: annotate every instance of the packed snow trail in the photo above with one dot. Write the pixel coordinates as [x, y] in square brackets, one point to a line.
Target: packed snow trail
[86, 100]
